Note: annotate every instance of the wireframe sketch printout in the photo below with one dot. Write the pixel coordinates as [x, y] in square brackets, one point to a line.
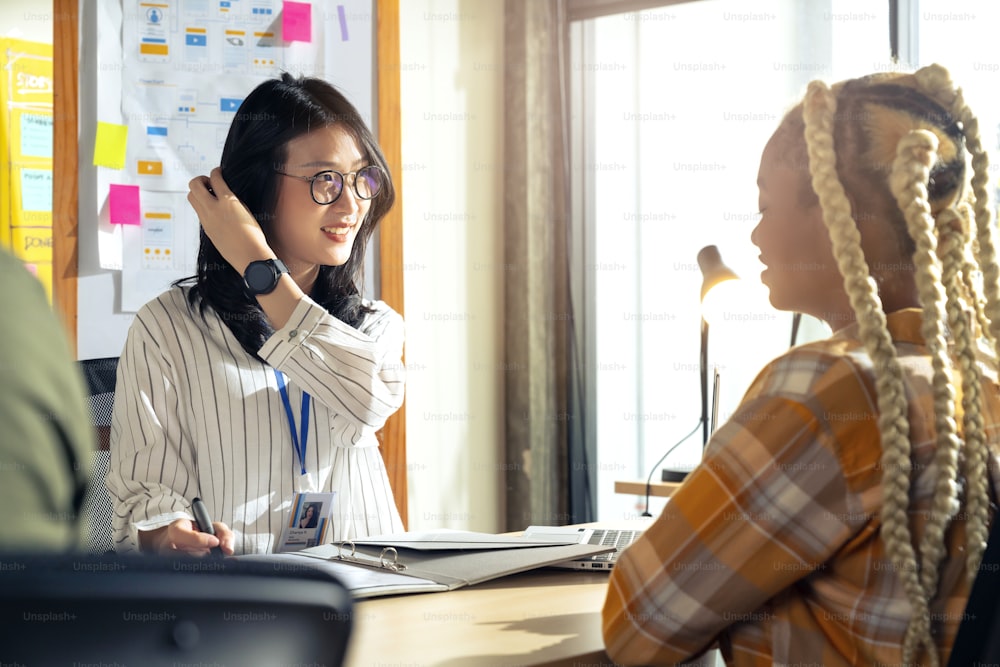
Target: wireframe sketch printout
[185, 67]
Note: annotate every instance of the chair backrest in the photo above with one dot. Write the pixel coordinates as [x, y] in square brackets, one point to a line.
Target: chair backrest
[148, 610]
[978, 638]
[98, 506]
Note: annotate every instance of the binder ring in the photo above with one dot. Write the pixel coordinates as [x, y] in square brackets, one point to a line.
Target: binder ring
[340, 550]
[393, 564]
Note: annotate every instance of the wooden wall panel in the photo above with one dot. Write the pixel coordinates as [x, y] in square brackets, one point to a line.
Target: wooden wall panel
[393, 436]
[65, 153]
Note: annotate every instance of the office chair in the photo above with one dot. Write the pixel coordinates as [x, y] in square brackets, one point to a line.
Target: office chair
[978, 638]
[151, 610]
[98, 508]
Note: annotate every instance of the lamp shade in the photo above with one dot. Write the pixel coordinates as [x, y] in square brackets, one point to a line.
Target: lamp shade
[713, 270]
[721, 289]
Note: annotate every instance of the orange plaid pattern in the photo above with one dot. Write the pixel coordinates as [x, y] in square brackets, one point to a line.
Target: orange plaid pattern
[771, 547]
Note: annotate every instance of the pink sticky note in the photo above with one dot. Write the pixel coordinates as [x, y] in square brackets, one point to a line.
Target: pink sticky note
[123, 204]
[296, 22]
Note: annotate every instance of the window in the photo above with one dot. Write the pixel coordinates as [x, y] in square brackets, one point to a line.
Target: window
[960, 34]
[671, 109]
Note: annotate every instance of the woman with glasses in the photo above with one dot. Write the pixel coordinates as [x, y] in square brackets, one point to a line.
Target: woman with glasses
[266, 375]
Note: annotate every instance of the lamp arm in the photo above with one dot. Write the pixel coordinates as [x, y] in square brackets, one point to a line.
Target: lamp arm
[649, 479]
[703, 370]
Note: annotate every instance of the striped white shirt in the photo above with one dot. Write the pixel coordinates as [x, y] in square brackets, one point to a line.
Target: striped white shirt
[196, 416]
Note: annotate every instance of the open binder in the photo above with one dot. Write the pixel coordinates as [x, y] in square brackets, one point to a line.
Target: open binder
[426, 562]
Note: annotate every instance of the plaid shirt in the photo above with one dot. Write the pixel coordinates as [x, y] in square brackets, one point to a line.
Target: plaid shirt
[771, 546]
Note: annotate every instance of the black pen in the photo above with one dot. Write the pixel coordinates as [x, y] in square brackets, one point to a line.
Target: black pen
[204, 522]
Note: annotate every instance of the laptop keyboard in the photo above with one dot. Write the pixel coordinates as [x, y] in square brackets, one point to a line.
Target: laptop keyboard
[616, 538]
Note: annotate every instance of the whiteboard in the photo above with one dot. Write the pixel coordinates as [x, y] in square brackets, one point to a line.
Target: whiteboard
[173, 72]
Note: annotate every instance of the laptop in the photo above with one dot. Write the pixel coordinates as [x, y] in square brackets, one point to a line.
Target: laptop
[619, 538]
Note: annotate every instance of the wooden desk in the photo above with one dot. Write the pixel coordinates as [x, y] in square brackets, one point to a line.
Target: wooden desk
[542, 617]
[638, 488]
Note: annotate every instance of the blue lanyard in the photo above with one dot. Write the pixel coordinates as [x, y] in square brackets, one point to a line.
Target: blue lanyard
[296, 439]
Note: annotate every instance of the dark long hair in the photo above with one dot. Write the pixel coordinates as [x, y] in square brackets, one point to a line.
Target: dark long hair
[273, 114]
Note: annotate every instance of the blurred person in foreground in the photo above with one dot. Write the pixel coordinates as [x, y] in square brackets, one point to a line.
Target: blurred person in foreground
[46, 433]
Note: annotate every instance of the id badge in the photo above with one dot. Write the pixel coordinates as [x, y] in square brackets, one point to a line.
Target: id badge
[308, 522]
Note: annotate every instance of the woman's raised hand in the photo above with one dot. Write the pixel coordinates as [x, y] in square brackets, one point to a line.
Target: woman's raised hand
[227, 222]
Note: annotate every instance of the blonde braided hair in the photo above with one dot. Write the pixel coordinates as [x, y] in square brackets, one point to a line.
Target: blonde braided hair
[934, 78]
[908, 182]
[818, 111]
[954, 237]
[925, 178]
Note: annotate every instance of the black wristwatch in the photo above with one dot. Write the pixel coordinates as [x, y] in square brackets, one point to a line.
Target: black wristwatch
[261, 276]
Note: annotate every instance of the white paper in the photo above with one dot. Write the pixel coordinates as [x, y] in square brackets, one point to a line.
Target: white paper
[455, 540]
[162, 249]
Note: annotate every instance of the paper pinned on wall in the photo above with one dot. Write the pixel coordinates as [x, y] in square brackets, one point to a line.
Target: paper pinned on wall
[123, 204]
[296, 21]
[109, 145]
[109, 245]
[36, 135]
[36, 189]
[109, 237]
[164, 248]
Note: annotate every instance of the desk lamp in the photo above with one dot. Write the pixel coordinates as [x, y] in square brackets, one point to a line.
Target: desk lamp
[717, 296]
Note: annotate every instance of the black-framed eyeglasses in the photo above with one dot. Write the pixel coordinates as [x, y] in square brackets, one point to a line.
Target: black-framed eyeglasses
[327, 186]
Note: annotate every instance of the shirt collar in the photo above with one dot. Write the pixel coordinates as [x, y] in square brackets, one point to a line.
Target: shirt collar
[903, 325]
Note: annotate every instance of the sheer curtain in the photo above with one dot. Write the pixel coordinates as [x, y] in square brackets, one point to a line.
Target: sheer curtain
[538, 312]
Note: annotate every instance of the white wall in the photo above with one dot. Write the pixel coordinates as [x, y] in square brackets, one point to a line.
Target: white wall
[452, 125]
[26, 19]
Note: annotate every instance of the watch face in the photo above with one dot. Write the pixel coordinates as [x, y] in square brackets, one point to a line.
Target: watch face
[260, 277]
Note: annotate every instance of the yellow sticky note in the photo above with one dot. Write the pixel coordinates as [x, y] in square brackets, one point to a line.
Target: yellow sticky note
[109, 146]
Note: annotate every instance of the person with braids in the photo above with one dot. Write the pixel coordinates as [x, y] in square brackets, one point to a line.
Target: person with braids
[266, 375]
[840, 515]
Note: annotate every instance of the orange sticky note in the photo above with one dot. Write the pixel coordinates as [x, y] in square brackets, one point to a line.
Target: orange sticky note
[109, 145]
[149, 168]
[123, 204]
[296, 21]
